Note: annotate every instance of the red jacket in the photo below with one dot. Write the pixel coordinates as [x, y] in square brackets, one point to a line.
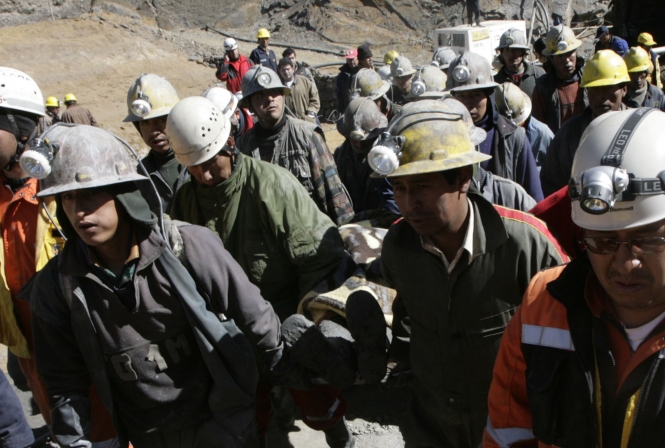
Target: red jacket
[555, 210]
[232, 72]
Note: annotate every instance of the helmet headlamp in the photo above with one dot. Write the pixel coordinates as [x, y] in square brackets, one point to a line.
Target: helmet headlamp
[510, 40]
[36, 160]
[461, 73]
[418, 87]
[384, 156]
[562, 45]
[264, 79]
[141, 105]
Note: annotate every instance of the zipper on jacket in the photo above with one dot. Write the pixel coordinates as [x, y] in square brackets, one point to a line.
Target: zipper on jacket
[653, 368]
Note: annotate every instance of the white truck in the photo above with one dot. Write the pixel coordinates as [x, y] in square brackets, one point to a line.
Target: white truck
[481, 39]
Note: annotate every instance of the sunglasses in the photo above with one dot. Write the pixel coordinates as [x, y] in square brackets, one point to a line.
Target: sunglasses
[604, 246]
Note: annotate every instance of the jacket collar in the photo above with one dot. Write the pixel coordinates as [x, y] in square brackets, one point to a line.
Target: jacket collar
[74, 260]
[489, 233]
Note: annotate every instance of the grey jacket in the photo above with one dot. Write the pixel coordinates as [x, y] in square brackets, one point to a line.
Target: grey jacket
[654, 98]
[501, 191]
[67, 348]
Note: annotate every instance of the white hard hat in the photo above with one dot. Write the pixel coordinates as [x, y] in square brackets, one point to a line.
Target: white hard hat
[230, 44]
[618, 174]
[197, 130]
[470, 71]
[18, 91]
[223, 99]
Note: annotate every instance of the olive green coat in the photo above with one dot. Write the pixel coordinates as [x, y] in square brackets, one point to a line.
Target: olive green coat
[270, 225]
[456, 320]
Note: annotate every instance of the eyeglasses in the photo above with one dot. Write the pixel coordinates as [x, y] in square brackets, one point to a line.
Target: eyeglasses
[604, 246]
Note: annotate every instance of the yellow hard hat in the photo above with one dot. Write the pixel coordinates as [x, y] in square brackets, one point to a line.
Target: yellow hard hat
[646, 39]
[150, 96]
[390, 56]
[69, 97]
[605, 68]
[425, 137]
[52, 101]
[637, 60]
[559, 40]
[263, 33]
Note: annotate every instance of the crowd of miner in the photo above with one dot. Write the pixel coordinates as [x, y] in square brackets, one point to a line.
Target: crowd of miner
[181, 312]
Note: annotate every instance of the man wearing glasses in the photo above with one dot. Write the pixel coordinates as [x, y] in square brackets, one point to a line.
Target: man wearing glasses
[581, 362]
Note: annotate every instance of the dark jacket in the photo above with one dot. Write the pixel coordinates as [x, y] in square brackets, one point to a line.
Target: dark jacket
[372, 197]
[556, 371]
[511, 152]
[166, 191]
[68, 352]
[301, 148]
[342, 86]
[616, 44]
[528, 81]
[456, 320]
[654, 98]
[547, 88]
[555, 172]
[263, 57]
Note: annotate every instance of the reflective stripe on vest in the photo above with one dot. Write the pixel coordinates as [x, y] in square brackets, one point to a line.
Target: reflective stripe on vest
[506, 437]
[547, 337]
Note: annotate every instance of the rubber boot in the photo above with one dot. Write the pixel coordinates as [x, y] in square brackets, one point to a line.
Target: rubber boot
[288, 372]
[367, 325]
[339, 436]
[327, 349]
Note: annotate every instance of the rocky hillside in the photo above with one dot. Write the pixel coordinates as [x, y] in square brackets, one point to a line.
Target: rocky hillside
[344, 22]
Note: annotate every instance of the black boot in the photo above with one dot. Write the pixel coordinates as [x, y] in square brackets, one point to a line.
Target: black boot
[339, 436]
[367, 325]
[327, 349]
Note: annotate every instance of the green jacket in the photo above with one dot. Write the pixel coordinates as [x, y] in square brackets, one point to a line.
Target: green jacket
[456, 320]
[270, 225]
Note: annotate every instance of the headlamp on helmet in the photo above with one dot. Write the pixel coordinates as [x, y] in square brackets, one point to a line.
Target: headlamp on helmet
[510, 40]
[562, 45]
[36, 160]
[384, 156]
[264, 79]
[418, 87]
[461, 73]
[141, 106]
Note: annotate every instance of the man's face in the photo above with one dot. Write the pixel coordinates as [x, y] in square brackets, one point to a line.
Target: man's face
[292, 56]
[53, 110]
[286, 73]
[263, 42]
[637, 80]
[564, 64]
[233, 54]
[635, 283]
[268, 105]
[352, 62]
[152, 131]
[605, 99]
[94, 215]
[430, 204]
[403, 82]
[214, 171]
[475, 101]
[367, 62]
[513, 58]
[605, 38]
